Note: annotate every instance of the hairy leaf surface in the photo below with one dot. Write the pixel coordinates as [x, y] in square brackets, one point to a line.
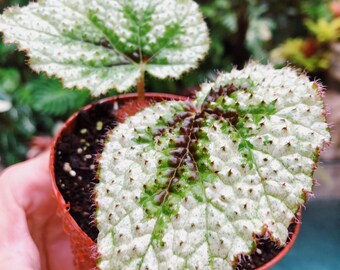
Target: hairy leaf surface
[189, 185]
[102, 44]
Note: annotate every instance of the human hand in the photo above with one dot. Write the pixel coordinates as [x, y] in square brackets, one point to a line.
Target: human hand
[32, 235]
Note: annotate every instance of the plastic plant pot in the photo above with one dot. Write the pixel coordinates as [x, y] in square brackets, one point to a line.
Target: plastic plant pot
[83, 247]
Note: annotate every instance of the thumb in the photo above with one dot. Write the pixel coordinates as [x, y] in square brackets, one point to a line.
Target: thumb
[17, 248]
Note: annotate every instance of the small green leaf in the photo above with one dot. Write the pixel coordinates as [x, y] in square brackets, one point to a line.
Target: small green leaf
[245, 145]
[58, 102]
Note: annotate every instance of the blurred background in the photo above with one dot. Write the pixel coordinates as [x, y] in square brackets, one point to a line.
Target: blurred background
[303, 33]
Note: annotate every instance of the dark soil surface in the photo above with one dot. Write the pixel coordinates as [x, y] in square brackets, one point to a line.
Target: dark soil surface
[265, 251]
[75, 168]
[75, 171]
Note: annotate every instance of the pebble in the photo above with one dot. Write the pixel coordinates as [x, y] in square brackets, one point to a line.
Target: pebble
[99, 125]
[67, 167]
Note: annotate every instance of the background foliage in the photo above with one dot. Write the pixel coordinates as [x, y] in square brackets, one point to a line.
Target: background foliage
[239, 30]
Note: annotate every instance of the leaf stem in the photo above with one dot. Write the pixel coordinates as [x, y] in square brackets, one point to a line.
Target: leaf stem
[141, 86]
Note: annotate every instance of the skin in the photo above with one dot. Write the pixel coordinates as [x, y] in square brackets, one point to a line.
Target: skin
[32, 235]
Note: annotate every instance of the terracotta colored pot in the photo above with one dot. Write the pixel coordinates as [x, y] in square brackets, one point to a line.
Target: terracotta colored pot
[286, 249]
[83, 247]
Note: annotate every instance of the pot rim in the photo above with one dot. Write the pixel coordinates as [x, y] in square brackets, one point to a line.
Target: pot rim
[287, 247]
[70, 225]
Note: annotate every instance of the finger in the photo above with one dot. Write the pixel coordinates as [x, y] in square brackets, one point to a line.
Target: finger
[31, 193]
[17, 248]
[58, 246]
[45, 226]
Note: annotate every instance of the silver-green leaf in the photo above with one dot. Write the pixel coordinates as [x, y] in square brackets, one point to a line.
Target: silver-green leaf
[102, 44]
[189, 185]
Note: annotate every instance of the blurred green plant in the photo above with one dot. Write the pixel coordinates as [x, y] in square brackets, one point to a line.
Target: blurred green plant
[323, 30]
[31, 110]
[16, 123]
[316, 9]
[239, 29]
[312, 51]
[307, 54]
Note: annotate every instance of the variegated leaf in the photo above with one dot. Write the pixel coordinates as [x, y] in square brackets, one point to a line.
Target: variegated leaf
[104, 44]
[188, 185]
